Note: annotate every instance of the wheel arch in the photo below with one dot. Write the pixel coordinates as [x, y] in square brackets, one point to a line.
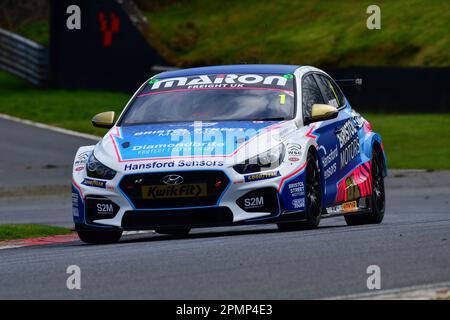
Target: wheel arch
[377, 145]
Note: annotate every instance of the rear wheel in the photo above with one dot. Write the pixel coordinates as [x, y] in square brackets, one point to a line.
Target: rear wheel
[313, 199]
[173, 232]
[99, 237]
[378, 201]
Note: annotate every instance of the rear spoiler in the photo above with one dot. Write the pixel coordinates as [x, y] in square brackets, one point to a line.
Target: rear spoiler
[357, 82]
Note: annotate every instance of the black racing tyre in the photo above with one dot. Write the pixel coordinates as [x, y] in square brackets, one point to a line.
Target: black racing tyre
[378, 199]
[313, 199]
[99, 237]
[173, 231]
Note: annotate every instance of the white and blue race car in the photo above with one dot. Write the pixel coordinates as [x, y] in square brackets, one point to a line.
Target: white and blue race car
[229, 145]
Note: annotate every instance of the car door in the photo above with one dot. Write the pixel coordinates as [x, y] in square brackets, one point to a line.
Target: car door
[346, 137]
[324, 131]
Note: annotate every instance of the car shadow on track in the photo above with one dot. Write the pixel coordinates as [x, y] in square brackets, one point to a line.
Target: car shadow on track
[216, 234]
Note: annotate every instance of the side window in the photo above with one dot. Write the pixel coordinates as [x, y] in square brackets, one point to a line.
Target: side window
[339, 93]
[310, 95]
[333, 95]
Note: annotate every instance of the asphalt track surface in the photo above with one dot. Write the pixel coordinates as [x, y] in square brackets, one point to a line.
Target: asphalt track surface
[411, 246]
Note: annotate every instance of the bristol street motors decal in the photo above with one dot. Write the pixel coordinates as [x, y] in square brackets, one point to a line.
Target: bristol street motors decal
[172, 141]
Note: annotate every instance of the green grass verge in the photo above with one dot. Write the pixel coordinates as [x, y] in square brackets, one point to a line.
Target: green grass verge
[23, 231]
[414, 141]
[68, 109]
[314, 32]
[411, 141]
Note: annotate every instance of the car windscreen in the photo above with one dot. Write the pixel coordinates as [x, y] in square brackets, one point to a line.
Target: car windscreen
[218, 97]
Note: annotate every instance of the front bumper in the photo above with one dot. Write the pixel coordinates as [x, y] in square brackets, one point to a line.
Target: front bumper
[232, 198]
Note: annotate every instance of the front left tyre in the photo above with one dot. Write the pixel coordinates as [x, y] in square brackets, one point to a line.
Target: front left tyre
[313, 199]
[378, 198]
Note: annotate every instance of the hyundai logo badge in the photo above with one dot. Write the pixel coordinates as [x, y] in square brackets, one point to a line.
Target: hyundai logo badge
[173, 179]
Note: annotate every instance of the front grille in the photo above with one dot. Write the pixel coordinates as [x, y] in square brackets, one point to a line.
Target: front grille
[198, 188]
[201, 217]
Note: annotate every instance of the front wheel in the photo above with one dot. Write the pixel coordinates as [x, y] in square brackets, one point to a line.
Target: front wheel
[99, 237]
[378, 202]
[313, 199]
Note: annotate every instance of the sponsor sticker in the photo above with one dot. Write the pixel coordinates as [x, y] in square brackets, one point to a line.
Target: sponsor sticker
[105, 208]
[221, 81]
[94, 183]
[348, 143]
[349, 206]
[294, 150]
[297, 189]
[82, 158]
[298, 203]
[174, 191]
[261, 176]
[75, 212]
[170, 164]
[254, 202]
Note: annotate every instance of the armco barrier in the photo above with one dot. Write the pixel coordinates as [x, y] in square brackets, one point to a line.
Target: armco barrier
[23, 57]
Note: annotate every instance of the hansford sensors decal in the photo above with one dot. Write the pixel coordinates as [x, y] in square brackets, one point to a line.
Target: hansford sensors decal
[171, 164]
[329, 163]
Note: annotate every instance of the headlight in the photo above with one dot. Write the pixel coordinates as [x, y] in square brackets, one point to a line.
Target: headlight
[96, 169]
[268, 160]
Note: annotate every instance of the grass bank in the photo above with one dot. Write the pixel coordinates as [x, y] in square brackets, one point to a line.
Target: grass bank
[23, 231]
[314, 32]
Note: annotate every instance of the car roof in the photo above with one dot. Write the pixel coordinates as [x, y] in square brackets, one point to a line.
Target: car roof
[237, 68]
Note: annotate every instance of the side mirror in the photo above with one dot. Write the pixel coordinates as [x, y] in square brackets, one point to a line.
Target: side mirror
[322, 112]
[104, 120]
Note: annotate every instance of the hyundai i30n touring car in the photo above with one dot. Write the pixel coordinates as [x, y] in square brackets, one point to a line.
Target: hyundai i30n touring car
[229, 145]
